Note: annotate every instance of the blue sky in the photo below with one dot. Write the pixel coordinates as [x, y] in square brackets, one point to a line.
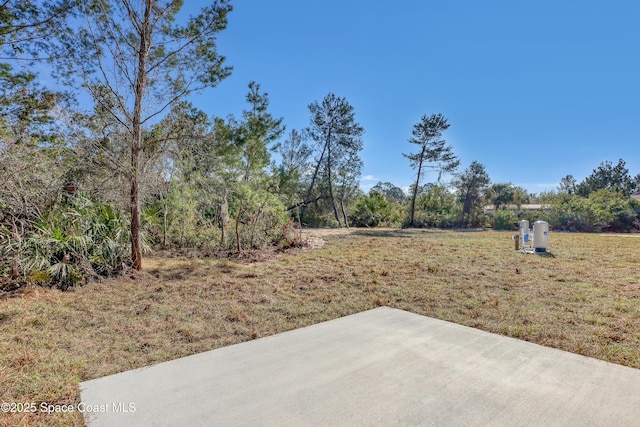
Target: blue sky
[533, 90]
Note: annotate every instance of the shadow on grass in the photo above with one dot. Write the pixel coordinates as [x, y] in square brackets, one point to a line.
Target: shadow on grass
[192, 269]
[540, 254]
[546, 255]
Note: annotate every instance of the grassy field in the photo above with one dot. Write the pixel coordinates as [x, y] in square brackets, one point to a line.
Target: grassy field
[584, 299]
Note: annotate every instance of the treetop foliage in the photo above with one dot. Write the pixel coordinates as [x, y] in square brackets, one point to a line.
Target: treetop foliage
[427, 134]
[607, 176]
[26, 28]
[124, 46]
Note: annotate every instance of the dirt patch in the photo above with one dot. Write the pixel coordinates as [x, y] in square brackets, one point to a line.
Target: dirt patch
[314, 237]
[323, 232]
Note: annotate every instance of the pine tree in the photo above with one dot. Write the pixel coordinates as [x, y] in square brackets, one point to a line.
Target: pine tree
[471, 184]
[257, 131]
[136, 61]
[339, 138]
[433, 153]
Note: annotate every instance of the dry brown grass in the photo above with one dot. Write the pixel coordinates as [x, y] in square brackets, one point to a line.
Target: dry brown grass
[585, 300]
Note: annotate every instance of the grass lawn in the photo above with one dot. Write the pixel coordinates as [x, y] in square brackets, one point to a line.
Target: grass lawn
[585, 299]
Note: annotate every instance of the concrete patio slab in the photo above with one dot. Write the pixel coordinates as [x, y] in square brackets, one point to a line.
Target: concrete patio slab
[380, 367]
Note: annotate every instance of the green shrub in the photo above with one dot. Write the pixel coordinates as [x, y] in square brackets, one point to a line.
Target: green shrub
[437, 207]
[75, 240]
[505, 220]
[603, 210]
[374, 210]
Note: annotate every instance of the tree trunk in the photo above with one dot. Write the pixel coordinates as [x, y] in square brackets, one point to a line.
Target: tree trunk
[313, 180]
[333, 201]
[165, 212]
[224, 219]
[344, 213]
[222, 238]
[136, 241]
[415, 190]
[238, 245]
[300, 225]
[165, 216]
[137, 143]
[467, 207]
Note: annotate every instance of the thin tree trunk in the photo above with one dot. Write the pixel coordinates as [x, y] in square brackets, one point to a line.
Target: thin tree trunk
[136, 241]
[238, 245]
[313, 180]
[300, 225]
[224, 215]
[237, 229]
[333, 201]
[165, 212]
[415, 191]
[137, 143]
[344, 213]
[222, 239]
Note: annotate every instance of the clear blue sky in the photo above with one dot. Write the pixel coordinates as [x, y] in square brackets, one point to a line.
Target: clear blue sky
[533, 90]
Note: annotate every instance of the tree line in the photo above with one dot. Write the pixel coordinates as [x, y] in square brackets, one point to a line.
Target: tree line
[471, 200]
[87, 191]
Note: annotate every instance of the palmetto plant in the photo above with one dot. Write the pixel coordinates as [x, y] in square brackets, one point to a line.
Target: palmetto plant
[74, 241]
